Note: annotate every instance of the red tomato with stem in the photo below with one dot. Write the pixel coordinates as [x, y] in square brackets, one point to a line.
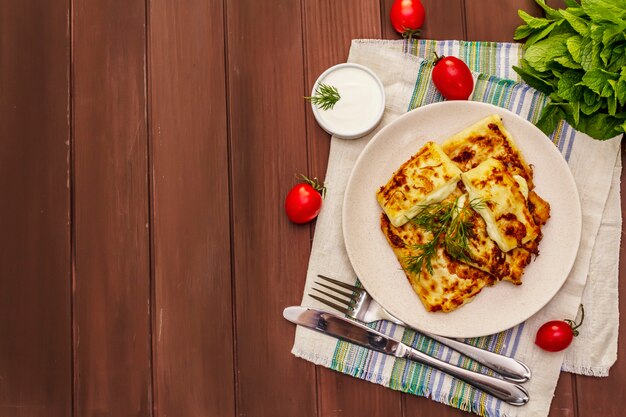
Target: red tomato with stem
[304, 201]
[452, 78]
[557, 335]
[407, 17]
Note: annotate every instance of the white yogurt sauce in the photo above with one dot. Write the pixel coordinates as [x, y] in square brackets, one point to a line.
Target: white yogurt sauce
[360, 107]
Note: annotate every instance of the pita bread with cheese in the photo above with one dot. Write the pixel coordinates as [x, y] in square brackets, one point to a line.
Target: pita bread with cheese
[504, 230]
[485, 254]
[451, 283]
[506, 214]
[485, 139]
[428, 177]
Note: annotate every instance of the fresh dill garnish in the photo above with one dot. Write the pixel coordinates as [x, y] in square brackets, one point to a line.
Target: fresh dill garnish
[325, 97]
[415, 263]
[450, 227]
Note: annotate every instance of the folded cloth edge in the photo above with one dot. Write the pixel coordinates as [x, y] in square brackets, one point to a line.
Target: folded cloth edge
[302, 353]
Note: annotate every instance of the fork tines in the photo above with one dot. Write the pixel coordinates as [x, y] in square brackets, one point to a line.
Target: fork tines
[346, 304]
[341, 284]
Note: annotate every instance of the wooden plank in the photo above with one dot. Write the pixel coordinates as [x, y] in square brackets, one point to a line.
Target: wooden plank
[564, 401]
[268, 147]
[342, 395]
[414, 406]
[481, 16]
[193, 343]
[443, 19]
[479, 27]
[35, 262]
[112, 253]
[585, 396]
[342, 21]
[557, 4]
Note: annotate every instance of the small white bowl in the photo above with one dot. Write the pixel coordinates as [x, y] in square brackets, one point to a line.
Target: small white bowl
[362, 102]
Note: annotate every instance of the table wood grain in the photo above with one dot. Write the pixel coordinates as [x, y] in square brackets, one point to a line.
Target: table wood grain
[146, 147]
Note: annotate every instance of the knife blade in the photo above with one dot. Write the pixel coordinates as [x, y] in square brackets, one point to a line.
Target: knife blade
[357, 333]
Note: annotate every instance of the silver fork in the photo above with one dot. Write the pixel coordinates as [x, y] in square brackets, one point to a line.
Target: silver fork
[359, 305]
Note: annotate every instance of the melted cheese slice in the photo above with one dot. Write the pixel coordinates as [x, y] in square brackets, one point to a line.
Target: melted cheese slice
[505, 212]
[428, 177]
[523, 185]
[485, 139]
[518, 258]
[451, 283]
[485, 254]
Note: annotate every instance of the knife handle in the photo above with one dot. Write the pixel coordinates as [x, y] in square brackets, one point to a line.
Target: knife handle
[509, 392]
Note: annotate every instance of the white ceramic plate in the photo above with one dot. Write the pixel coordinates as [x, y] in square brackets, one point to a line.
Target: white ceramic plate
[496, 308]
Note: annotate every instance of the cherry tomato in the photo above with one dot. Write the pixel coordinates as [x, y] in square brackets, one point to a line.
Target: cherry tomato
[556, 335]
[304, 200]
[453, 78]
[407, 16]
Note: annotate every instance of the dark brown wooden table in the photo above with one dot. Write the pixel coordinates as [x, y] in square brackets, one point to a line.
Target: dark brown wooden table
[146, 147]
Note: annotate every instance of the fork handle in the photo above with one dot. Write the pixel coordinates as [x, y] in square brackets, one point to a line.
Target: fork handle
[509, 368]
[509, 392]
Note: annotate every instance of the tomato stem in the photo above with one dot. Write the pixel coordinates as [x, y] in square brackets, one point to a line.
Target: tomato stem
[409, 33]
[575, 325]
[438, 58]
[316, 184]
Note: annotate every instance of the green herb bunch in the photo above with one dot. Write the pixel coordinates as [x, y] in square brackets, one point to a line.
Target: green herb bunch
[450, 227]
[577, 56]
[325, 96]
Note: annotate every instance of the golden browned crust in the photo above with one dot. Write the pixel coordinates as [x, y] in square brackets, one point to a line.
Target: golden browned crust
[427, 171]
[452, 282]
[509, 266]
[484, 254]
[539, 208]
[505, 208]
[487, 139]
[450, 285]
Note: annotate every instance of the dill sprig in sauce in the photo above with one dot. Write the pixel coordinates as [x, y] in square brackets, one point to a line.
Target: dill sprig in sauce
[450, 226]
[325, 97]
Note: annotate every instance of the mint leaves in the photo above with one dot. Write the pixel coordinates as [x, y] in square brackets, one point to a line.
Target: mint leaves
[577, 56]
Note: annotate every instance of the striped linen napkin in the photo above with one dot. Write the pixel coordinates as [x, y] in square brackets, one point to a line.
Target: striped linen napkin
[596, 168]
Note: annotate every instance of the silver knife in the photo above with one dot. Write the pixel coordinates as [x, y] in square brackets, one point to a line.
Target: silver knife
[357, 333]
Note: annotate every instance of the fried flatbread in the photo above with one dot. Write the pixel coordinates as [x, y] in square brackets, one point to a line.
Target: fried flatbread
[451, 283]
[428, 177]
[485, 139]
[485, 254]
[506, 214]
[504, 232]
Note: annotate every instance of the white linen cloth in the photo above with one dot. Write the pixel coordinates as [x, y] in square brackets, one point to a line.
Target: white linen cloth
[596, 167]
